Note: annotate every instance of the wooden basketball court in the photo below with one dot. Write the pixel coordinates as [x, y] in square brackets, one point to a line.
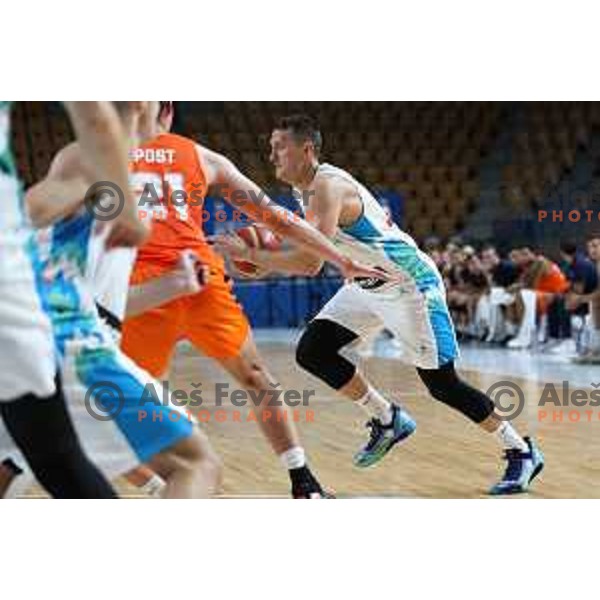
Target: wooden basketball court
[448, 457]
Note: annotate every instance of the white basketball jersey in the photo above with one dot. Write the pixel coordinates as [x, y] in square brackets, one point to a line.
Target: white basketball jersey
[375, 240]
[11, 209]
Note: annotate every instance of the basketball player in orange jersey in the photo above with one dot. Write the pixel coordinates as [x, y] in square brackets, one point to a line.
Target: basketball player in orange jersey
[211, 320]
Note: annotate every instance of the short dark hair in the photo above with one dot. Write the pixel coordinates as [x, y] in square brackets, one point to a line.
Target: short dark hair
[594, 235]
[569, 248]
[529, 247]
[432, 242]
[303, 128]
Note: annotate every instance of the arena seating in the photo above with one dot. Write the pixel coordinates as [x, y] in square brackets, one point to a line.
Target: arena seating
[433, 155]
[544, 148]
[40, 129]
[429, 153]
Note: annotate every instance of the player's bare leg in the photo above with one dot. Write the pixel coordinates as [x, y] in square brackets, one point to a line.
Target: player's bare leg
[190, 469]
[7, 475]
[250, 371]
[188, 277]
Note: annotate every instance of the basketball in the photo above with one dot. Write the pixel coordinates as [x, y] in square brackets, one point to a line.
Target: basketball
[255, 236]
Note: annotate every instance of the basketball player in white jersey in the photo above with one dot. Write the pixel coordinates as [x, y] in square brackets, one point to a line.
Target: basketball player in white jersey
[77, 260]
[31, 404]
[414, 308]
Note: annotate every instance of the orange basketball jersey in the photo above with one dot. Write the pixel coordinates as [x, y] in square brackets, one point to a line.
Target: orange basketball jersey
[169, 180]
[553, 280]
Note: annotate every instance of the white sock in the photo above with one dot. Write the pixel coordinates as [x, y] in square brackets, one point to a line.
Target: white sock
[294, 458]
[154, 486]
[376, 406]
[510, 438]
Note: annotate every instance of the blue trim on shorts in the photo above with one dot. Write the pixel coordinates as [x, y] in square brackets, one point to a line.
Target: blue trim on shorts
[68, 256]
[146, 437]
[442, 326]
[42, 287]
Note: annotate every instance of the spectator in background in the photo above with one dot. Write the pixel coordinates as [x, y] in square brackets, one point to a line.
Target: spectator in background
[454, 264]
[433, 247]
[455, 274]
[539, 291]
[477, 285]
[583, 279]
[591, 347]
[580, 271]
[502, 272]
[466, 281]
[492, 308]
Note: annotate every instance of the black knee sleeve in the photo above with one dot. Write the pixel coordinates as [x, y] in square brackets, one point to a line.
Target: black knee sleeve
[9, 463]
[43, 431]
[318, 352]
[444, 385]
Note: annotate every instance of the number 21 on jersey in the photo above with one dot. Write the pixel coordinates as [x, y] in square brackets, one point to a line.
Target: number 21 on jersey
[150, 189]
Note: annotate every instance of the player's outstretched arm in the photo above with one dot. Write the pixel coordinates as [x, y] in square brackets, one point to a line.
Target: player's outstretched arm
[324, 209]
[188, 277]
[102, 140]
[104, 150]
[316, 247]
[61, 192]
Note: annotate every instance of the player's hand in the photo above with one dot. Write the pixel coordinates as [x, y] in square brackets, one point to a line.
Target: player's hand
[352, 270]
[191, 273]
[259, 273]
[236, 249]
[126, 234]
[231, 245]
[127, 231]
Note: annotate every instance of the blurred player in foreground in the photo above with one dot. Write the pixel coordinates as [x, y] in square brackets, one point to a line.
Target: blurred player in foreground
[79, 260]
[31, 401]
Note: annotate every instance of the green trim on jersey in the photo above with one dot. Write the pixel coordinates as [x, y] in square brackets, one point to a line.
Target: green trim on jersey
[7, 163]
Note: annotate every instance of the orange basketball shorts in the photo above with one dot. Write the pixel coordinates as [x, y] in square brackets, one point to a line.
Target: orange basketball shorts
[212, 321]
[553, 283]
